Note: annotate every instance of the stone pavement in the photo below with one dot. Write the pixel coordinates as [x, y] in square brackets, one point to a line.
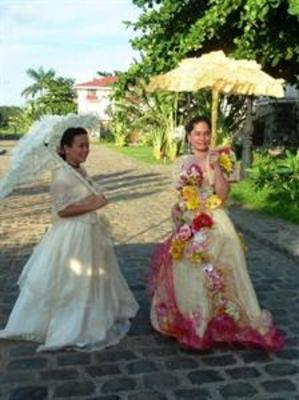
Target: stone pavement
[273, 232]
[145, 365]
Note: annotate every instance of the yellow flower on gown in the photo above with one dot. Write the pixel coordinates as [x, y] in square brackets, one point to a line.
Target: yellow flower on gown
[213, 202]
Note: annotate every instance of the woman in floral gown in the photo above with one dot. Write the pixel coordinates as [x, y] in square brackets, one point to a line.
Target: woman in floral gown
[201, 290]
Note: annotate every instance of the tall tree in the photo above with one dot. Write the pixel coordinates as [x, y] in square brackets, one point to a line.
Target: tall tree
[264, 30]
[59, 98]
[7, 113]
[41, 80]
[49, 94]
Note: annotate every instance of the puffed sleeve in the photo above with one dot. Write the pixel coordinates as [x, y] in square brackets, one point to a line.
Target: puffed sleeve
[66, 189]
[178, 167]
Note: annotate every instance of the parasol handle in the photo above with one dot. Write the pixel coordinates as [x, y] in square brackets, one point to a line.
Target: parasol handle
[215, 100]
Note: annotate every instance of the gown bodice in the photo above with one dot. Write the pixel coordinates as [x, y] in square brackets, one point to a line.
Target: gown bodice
[70, 187]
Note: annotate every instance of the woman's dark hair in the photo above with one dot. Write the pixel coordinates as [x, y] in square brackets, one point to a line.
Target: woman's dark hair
[68, 138]
[190, 125]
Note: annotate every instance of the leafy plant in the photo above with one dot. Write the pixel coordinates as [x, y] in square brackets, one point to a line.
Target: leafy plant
[280, 175]
[152, 115]
[119, 133]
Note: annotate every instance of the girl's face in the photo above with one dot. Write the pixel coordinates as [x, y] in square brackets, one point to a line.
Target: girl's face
[200, 136]
[78, 151]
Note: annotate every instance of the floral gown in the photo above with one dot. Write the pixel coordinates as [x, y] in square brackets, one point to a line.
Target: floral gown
[200, 287]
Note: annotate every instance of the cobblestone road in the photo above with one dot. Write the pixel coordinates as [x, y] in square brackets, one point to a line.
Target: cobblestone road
[144, 366]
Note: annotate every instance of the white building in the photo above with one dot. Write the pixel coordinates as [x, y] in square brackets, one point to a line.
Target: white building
[93, 96]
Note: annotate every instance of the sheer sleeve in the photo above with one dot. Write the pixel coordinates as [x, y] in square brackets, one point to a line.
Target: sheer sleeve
[95, 185]
[66, 189]
[178, 167]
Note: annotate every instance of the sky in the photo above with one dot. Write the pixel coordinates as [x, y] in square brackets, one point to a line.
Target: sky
[76, 38]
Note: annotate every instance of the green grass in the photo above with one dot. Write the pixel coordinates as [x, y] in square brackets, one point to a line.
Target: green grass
[140, 153]
[261, 200]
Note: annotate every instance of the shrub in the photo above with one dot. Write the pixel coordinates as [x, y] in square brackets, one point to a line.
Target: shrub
[280, 174]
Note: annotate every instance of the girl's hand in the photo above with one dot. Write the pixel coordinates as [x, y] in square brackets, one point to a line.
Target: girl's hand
[91, 203]
[98, 201]
[214, 159]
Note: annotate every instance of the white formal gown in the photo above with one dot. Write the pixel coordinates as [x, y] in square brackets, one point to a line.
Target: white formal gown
[72, 292]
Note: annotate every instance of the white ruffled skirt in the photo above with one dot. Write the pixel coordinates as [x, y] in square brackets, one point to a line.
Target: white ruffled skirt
[72, 292]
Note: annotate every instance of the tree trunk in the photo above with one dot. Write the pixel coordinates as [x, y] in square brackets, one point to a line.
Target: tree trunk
[247, 140]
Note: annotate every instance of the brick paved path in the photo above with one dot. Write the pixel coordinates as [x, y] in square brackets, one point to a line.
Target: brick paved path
[144, 366]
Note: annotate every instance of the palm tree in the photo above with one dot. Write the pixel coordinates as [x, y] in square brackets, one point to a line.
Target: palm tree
[42, 79]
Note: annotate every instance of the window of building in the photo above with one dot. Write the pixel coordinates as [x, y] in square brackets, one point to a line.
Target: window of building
[91, 94]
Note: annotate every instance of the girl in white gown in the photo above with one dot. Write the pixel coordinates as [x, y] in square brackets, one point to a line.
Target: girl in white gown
[72, 293]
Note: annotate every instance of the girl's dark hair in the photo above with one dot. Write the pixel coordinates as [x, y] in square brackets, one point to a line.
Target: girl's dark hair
[68, 138]
[190, 125]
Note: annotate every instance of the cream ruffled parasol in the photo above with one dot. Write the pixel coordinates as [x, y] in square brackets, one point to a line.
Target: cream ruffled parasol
[220, 74]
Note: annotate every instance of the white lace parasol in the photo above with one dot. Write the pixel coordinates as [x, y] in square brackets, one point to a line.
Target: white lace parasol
[36, 152]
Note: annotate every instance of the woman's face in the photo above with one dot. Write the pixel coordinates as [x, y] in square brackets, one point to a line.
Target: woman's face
[200, 136]
[78, 151]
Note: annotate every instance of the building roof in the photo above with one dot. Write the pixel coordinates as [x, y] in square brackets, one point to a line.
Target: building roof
[98, 83]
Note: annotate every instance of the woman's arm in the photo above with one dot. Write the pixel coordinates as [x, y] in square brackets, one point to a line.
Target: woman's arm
[91, 203]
